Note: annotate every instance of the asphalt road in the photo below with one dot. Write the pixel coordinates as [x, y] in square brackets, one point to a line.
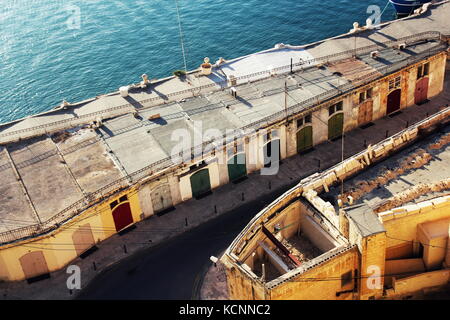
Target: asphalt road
[174, 269]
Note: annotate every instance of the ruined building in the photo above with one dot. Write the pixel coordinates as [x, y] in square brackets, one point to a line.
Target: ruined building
[374, 226]
[83, 172]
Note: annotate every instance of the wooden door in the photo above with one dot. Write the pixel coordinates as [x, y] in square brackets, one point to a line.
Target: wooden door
[83, 239]
[304, 139]
[421, 92]
[200, 183]
[393, 101]
[161, 198]
[34, 264]
[236, 167]
[365, 112]
[122, 216]
[335, 126]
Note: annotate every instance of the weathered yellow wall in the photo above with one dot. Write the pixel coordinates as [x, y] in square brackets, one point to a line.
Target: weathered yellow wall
[58, 249]
[395, 268]
[420, 281]
[437, 74]
[306, 286]
[241, 287]
[372, 261]
[401, 223]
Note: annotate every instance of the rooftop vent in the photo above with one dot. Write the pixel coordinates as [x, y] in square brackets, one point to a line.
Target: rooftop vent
[374, 54]
[154, 116]
[233, 92]
[232, 80]
[124, 91]
[401, 46]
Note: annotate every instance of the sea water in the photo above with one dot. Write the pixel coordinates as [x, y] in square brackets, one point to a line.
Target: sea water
[52, 50]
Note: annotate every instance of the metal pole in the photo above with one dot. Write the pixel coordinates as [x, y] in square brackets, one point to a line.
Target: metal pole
[285, 98]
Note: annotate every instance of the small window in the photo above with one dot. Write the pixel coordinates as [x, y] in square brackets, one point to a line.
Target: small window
[239, 147]
[426, 69]
[123, 198]
[308, 119]
[362, 97]
[302, 121]
[423, 70]
[419, 72]
[230, 151]
[394, 83]
[331, 110]
[275, 134]
[114, 204]
[335, 108]
[346, 278]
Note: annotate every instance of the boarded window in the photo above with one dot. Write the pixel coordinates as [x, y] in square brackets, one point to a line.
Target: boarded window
[346, 278]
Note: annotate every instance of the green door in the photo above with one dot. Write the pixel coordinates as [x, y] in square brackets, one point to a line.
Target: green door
[236, 167]
[200, 183]
[335, 126]
[304, 139]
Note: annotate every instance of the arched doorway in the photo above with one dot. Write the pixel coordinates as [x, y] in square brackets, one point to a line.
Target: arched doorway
[33, 264]
[304, 139]
[236, 167]
[161, 198]
[421, 93]
[393, 101]
[335, 126]
[122, 216]
[200, 183]
[269, 152]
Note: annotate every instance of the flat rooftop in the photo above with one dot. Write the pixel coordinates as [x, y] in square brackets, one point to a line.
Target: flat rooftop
[413, 175]
[56, 171]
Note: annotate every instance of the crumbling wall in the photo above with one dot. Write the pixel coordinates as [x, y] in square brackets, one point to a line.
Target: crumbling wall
[402, 222]
[306, 287]
[418, 282]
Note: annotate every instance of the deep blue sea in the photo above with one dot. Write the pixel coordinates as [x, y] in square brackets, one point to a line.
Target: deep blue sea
[52, 50]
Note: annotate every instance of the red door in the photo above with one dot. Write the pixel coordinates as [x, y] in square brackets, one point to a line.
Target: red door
[122, 216]
[393, 101]
[421, 93]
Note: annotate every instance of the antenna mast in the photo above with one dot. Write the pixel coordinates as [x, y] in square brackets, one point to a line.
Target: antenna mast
[181, 35]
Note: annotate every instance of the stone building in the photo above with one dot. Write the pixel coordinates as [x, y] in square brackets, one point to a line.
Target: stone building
[385, 236]
[82, 172]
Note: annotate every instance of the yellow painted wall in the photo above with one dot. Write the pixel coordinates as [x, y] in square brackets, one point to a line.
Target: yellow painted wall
[304, 286]
[420, 281]
[401, 224]
[58, 248]
[372, 264]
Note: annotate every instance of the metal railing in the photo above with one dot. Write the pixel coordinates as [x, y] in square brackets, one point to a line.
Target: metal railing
[198, 151]
[428, 35]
